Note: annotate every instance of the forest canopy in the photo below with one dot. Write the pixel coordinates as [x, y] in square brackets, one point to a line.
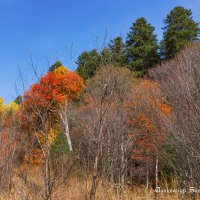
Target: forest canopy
[127, 117]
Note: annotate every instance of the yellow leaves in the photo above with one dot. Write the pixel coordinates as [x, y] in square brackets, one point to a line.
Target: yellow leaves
[13, 107]
[41, 137]
[60, 70]
[6, 111]
[46, 139]
[36, 157]
[3, 106]
[52, 135]
[1, 103]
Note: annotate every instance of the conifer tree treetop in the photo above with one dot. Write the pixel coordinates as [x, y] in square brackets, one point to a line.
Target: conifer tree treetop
[180, 28]
[142, 47]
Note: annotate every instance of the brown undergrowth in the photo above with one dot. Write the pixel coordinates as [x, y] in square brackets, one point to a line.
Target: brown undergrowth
[77, 188]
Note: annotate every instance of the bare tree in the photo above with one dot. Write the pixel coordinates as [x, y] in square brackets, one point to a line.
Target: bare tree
[103, 122]
[179, 81]
[9, 152]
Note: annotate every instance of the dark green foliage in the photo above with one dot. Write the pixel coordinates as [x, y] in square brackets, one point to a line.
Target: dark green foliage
[18, 100]
[142, 47]
[60, 145]
[106, 56]
[115, 53]
[180, 29]
[88, 62]
[139, 74]
[55, 66]
[118, 52]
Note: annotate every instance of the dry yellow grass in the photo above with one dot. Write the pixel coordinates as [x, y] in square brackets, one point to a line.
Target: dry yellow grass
[77, 188]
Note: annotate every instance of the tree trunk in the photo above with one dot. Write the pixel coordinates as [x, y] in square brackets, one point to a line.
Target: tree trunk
[147, 172]
[156, 176]
[64, 119]
[66, 127]
[47, 177]
[156, 170]
[94, 180]
[122, 181]
[147, 178]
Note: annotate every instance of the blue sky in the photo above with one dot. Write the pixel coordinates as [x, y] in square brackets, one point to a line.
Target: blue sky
[49, 30]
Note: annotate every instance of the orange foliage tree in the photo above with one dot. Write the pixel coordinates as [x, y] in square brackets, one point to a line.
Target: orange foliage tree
[43, 109]
[45, 104]
[149, 108]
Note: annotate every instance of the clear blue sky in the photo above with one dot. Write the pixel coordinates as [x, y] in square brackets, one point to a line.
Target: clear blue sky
[62, 29]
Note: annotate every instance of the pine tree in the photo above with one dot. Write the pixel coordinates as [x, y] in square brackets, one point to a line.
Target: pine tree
[18, 100]
[118, 51]
[180, 28]
[142, 47]
[55, 66]
[106, 56]
[88, 62]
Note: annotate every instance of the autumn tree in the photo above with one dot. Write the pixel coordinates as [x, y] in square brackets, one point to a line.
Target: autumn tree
[6, 110]
[149, 105]
[54, 90]
[44, 106]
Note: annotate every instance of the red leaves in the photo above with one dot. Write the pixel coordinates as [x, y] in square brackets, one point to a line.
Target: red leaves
[39, 112]
[149, 108]
[55, 88]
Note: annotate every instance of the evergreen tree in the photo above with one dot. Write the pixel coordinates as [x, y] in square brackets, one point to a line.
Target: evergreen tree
[55, 66]
[88, 62]
[118, 51]
[142, 47]
[180, 28]
[18, 100]
[106, 56]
